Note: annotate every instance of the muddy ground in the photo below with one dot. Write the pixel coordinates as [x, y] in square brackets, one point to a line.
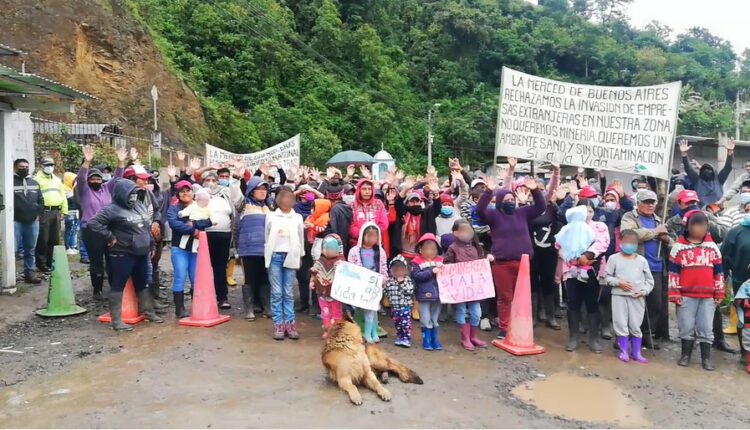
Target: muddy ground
[76, 372]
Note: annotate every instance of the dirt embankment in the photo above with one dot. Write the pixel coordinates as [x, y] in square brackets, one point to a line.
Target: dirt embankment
[96, 46]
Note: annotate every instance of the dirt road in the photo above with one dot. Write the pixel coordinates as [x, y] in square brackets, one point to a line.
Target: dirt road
[75, 372]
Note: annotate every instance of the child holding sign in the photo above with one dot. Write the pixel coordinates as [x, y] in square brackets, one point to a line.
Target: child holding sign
[321, 280]
[399, 290]
[466, 248]
[369, 253]
[424, 269]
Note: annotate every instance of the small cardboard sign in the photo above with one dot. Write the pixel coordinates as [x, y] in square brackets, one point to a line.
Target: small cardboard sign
[357, 286]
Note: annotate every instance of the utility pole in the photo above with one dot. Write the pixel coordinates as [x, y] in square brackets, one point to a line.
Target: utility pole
[739, 111]
[429, 134]
[156, 134]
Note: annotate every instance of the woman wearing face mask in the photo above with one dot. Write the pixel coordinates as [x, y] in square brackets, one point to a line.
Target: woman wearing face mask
[414, 219]
[448, 216]
[510, 240]
[125, 225]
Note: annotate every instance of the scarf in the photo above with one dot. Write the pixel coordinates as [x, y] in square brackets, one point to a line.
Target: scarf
[410, 232]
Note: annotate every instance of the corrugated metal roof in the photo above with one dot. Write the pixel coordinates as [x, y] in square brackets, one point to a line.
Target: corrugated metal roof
[13, 82]
[76, 129]
[7, 50]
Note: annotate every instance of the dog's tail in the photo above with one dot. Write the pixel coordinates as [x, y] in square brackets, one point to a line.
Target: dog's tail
[404, 373]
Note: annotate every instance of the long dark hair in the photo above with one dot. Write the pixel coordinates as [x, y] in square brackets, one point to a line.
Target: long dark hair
[375, 248]
[474, 240]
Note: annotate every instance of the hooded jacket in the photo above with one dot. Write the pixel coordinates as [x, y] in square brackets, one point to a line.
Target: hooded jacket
[91, 201]
[510, 232]
[425, 281]
[709, 190]
[356, 258]
[252, 223]
[68, 181]
[322, 271]
[399, 294]
[320, 219]
[27, 199]
[735, 253]
[372, 211]
[130, 225]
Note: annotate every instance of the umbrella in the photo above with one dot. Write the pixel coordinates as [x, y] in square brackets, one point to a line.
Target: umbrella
[346, 158]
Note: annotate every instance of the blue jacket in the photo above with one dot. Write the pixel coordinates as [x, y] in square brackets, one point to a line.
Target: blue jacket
[425, 282]
[181, 228]
[252, 224]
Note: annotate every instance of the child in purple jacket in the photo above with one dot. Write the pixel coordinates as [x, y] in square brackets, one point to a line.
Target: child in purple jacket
[424, 269]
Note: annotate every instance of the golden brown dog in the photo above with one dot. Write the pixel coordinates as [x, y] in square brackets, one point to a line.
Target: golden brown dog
[349, 364]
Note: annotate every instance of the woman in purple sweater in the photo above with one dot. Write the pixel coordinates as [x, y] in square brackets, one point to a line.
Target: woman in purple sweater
[510, 240]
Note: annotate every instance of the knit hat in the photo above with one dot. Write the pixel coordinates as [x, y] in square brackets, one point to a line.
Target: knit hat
[398, 260]
[446, 199]
[689, 214]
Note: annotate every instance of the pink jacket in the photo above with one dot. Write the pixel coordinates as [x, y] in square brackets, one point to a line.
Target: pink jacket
[372, 211]
[598, 247]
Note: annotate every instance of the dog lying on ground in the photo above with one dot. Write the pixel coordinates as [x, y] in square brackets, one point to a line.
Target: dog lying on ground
[350, 364]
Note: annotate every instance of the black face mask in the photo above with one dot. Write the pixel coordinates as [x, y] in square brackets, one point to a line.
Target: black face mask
[707, 175]
[22, 172]
[335, 182]
[96, 186]
[415, 210]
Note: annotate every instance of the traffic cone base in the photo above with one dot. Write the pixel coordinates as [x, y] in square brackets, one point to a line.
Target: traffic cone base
[60, 297]
[520, 335]
[204, 312]
[129, 313]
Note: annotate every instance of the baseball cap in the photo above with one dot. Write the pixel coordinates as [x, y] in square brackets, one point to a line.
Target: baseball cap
[477, 181]
[588, 192]
[136, 170]
[47, 161]
[413, 196]
[183, 184]
[94, 172]
[645, 195]
[686, 196]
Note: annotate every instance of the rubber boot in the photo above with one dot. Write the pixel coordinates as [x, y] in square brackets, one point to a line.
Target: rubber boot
[534, 308]
[159, 306]
[574, 320]
[230, 272]
[584, 321]
[375, 330]
[380, 331]
[434, 339]
[359, 319]
[747, 361]
[426, 342]
[97, 280]
[179, 304]
[415, 312]
[247, 300]
[606, 314]
[706, 356]
[369, 328]
[465, 340]
[146, 304]
[115, 312]
[594, 323]
[687, 351]
[720, 342]
[549, 310]
[474, 337]
[636, 350]
[622, 344]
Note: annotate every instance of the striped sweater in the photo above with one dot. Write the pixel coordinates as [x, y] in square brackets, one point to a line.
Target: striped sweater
[695, 270]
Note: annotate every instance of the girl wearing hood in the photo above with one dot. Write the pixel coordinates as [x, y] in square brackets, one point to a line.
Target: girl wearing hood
[366, 208]
[125, 224]
[321, 280]
[251, 248]
[582, 244]
[511, 239]
[424, 269]
[369, 253]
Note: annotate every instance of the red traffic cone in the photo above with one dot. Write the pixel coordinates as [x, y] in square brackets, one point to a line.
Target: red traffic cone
[204, 312]
[129, 307]
[520, 337]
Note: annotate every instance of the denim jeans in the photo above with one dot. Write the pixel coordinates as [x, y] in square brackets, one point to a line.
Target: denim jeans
[71, 231]
[474, 309]
[26, 236]
[128, 266]
[81, 246]
[282, 294]
[183, 264]
[695, 319]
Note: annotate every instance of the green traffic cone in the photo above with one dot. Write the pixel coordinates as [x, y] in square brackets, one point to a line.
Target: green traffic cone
[60, 299]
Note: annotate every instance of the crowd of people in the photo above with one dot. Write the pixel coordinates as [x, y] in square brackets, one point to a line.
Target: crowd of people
[600, 258]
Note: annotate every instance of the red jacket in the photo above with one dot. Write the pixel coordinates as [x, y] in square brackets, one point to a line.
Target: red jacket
[372, 211]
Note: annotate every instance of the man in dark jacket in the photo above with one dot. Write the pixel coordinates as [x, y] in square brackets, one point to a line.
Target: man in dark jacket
[341, 214]
[125, 225]
[27, 206]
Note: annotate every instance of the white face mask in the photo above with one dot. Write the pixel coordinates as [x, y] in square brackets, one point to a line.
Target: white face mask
[348, 198]
[610, 205]
[744, 198]
[48, 169]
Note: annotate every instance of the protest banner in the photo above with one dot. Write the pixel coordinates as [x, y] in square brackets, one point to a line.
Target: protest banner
[357, 286]
[286, 154]
[624, 129]
[465, 282]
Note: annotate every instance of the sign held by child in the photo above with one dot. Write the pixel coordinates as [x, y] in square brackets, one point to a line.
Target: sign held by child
[357, 286]
[466, 282]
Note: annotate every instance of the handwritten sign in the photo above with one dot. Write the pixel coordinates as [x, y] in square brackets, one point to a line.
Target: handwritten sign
[286, 154]
[357, 286]
[624, 129]
[466, 282]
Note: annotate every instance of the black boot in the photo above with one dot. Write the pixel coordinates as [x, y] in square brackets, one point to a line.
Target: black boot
[648, 341]
[97, 281]
[606, 317]
[179, 305]
[687, 351]
[706, 356]
[549, 309]
[247, 300]
[115, 312]
[574, 320]
[146, 304]
[159, 306]
[594, 324]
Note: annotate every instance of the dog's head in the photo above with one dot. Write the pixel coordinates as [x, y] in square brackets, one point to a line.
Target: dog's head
[343, 334]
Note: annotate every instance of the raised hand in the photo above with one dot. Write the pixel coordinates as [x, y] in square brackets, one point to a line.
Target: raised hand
[400, 176]
[195, 163]
[617, 187]
[239, 168]
[133, 153]
[315, 174]
[330, 172]
[409, 182]
[512, 162]
[684, 147]
[491, 183]
[121, 153]
[171, 171]
[263, 169]
[389, 177]
[432, 184]
[454, 164]
[88, 153]
[181, 155]
[729, 144]
[365, 172]
[560, 192]
[431, 171]
[350, 170]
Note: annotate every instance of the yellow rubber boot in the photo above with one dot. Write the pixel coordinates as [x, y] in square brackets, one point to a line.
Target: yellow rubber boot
[732, 329]
[415, 312]
[230, 271]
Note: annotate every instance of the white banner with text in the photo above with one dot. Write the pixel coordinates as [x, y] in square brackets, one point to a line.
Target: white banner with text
[285, 154]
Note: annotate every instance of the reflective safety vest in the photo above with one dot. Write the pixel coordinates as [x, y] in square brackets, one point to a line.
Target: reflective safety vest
[52, 191]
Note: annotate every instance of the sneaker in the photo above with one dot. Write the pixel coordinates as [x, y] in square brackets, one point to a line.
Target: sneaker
[398, 342]
[278, 332]
[70, 251]
[85, 261]
[484, 324]
[291, 331]
[406, 343]
[224, 304]
[501, 334]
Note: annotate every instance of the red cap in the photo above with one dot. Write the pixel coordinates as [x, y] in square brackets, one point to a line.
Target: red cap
[446, 198]
[183, 184]
[588, 192]
[686, 196]
[137, 171]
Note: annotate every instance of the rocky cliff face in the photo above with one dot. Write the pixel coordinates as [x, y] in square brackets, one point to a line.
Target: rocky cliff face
[97, 47]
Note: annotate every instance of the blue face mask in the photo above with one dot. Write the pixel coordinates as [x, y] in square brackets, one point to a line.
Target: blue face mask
[508, 207]
[628, 248]
[446, 211]
[746, 220]
[224, 182]
[491, 206]
[595, 201]
[106, 177]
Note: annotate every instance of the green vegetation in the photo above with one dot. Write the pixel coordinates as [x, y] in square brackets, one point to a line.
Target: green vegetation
[358, 74]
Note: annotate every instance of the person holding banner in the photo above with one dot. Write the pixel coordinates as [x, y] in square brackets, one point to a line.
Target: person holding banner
[321, 279]
[511, 239]
[465, 248]
[369, 253]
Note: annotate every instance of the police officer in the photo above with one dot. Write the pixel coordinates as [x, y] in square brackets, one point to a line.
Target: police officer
[55, 207]
[27, 206]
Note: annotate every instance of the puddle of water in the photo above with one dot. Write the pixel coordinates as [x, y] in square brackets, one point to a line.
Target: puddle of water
[574, 397]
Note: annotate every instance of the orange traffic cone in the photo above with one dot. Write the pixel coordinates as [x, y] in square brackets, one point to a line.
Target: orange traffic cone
[129, 307]
[204, 312]
[520, 337]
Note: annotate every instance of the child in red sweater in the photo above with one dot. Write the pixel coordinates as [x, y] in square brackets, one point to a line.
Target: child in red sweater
[696, 286]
